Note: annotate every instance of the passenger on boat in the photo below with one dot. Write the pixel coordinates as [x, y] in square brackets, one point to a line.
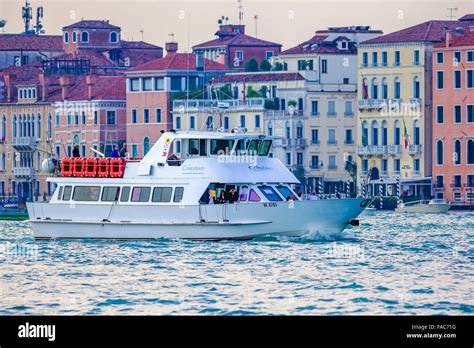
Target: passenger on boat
[115, 152]
[75, 151]
[173, 160]
[124, 151]
[232, 195]
[222, 198]
[290, 198]
[211, 198]
[312, 196]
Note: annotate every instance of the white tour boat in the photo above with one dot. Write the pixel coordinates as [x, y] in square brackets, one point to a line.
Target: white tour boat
[173, 192]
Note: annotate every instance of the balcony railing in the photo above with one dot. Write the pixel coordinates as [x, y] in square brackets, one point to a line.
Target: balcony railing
[332, 142]
[332, 167]
[349, 141]
[371, 104]
[362, 150]
[381, 151]
[415, 103]
[195, 104]
[414, 149]
[456, 185]
[299, 142]
[469, 185]
[271, 114]
[24, 143]
[394, 150]
[315, 142]
[24, 172]
[314, 166]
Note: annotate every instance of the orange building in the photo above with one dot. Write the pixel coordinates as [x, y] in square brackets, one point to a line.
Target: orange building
[453, 118]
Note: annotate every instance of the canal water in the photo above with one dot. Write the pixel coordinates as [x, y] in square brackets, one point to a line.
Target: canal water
[391, 264]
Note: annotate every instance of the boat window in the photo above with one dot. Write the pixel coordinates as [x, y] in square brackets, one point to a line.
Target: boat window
[178, 194]
[110, 194]
[269, 193]
[60, 192]
[241, 147]
[202, 147]
[285, 191]
[193, 147]
[253, 147]
[86, 193]
[244, 191]
[161, 194]
[67, 193]
[125, 194]
[254, 197]
[141, 194]
[221, 146]
[265, 148]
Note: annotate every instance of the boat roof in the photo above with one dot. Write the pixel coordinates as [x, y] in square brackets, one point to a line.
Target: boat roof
[215, 135]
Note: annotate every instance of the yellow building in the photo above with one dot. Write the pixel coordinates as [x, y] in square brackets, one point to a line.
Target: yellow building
[394, 108]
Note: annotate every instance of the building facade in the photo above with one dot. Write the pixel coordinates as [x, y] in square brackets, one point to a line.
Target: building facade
[394, 123]
[233, 48]
[453, 121]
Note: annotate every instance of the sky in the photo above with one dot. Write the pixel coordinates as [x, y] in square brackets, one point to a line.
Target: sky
[288, 22]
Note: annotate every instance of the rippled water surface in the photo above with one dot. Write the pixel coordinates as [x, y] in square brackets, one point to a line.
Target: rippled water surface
[391, 264]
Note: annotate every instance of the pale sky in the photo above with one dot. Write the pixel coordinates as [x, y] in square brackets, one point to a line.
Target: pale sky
[194, 21]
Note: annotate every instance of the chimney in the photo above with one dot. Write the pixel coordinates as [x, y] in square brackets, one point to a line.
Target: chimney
[171, 47]
[449, 36]
[64, 83]
[199, 62]
[44, 86]
[90, 81]
[10, 80]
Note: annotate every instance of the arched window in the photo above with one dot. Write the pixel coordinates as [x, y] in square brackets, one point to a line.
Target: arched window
[76, 140]
[113, 37]
[66, 37]
[384, 88]
[299, 130]
[396, 133]
[74, 36]
[146, 145]
[28, 126]
[270, 129]
[365, 133]
[375, 89]
[470, 151]
[14, 126]
[85, 36]
[226, 122]
[396, 88]
[50, 126]
[384, 133]
[457, 152]
[287, 130]
[38, 127]
[4, 128]
[439, 152]
[416, 132]
[416, 87]
[375, 133]
[32, 126]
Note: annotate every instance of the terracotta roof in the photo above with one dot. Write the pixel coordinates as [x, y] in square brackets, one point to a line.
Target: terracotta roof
[178, 61]
[317, 45]
[104, 88]
[259, 77]
[430, 31]
[138, 45]
[350, 29]
[13, 42]
[464, 40]
[91, 24]
[237, 40]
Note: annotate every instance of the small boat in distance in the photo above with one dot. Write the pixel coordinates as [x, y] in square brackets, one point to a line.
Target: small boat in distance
[424, 206]
[191, 185]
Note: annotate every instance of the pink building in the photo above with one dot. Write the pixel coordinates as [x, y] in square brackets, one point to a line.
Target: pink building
[91, 113]
[234, 48]
[453, 120]
[151, 88]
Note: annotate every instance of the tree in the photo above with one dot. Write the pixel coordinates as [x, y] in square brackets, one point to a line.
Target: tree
[251, 65]
[263, 91]
[277, 66]
[265, 65]
[292, 103]
[251, 93]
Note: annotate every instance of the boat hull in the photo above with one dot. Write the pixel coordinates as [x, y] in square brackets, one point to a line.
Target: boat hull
[200, 222]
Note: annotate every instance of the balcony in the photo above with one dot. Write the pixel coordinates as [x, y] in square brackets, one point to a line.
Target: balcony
[371, 104]
[332, 142]
[23, 143]
[456, 186]
[362, 150]
[332, 113]
[283, 114]
[384, 173]
[315, 142]
[438, 186]
[349, 142]
[381, 151]
[300, 142]
[395, 103]
[469, 185]
[414, 150]
[27, 172]
[372, 150]
[394, 150]
[332, 167]
[415, 103]
[314, 166]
